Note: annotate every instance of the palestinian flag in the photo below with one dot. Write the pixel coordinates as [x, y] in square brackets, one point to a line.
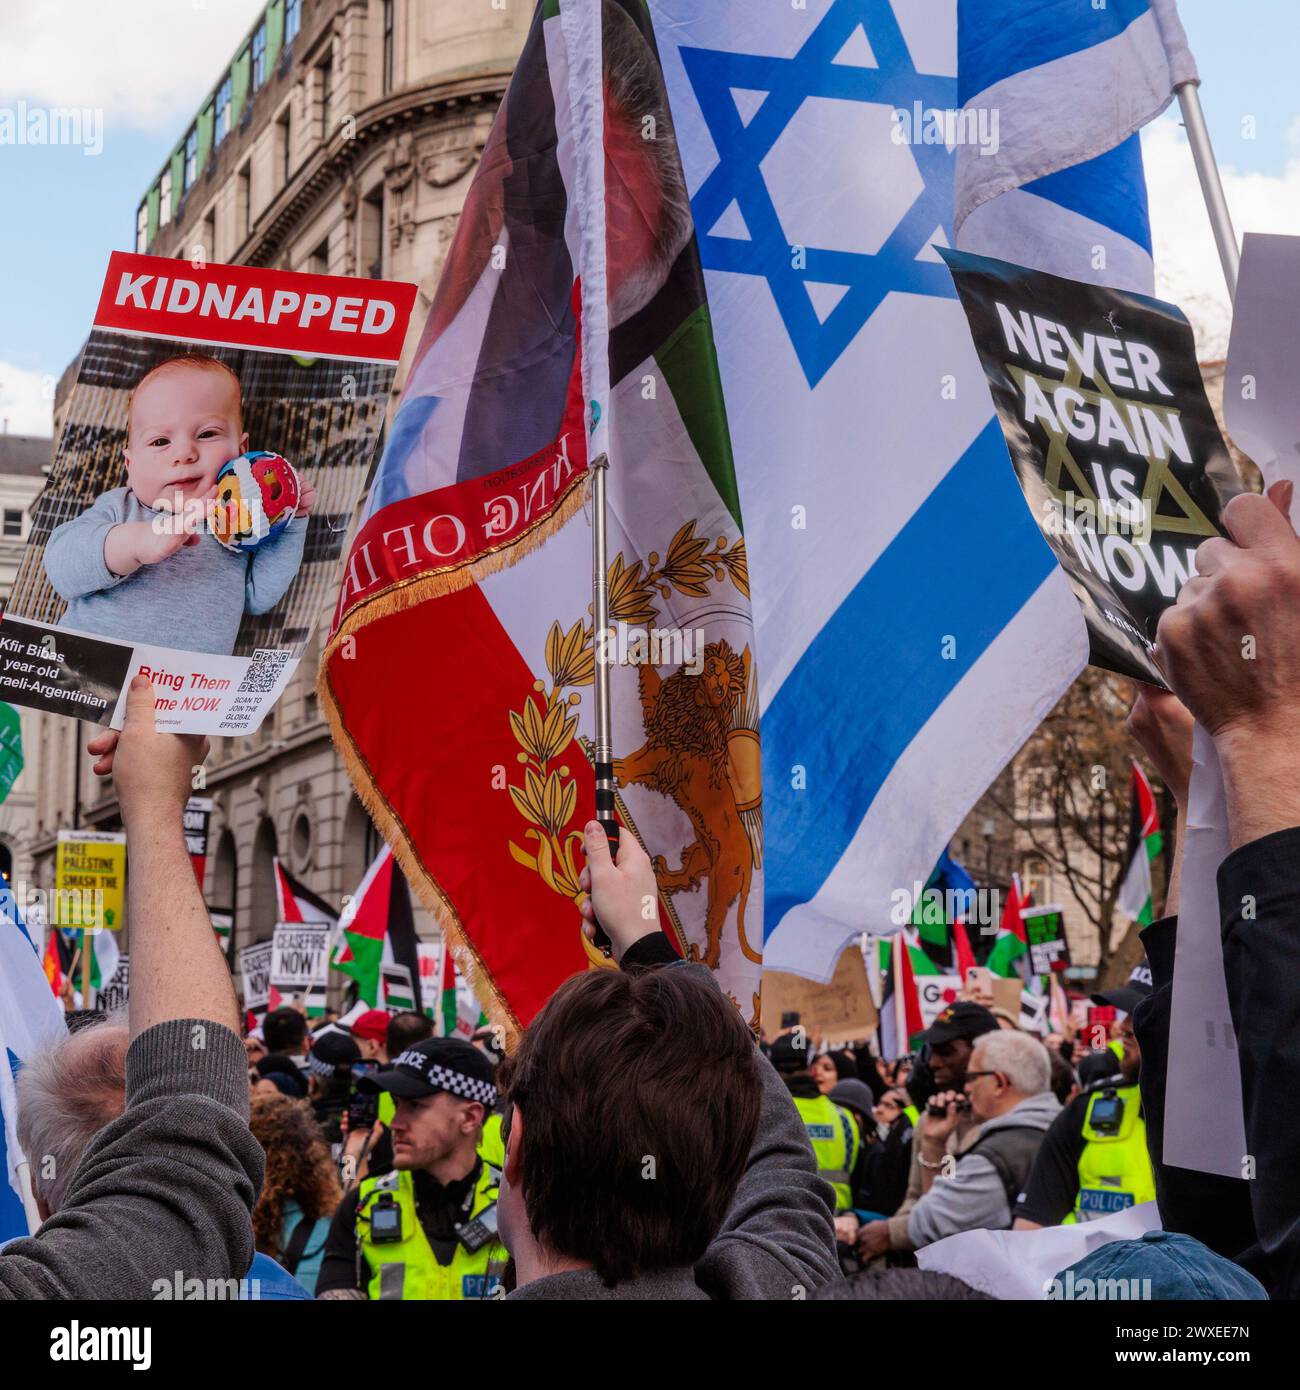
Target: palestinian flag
[458, 1015]
[940, 906]
[295, 902]
[1009, 945]
[570, 326]
[1144, 842]
[377, 944]
[901, 1023]
[104, 955]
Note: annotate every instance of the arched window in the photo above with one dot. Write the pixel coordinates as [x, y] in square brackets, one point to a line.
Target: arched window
[224, 883]
[1036, 879]
[261, 917]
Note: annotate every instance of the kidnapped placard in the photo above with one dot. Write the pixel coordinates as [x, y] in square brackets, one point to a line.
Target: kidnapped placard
[1104, 412]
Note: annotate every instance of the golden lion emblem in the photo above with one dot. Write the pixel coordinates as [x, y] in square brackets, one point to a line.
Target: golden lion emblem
[701, 753]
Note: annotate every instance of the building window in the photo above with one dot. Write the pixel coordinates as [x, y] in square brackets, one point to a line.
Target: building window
[244, 202]
[191, 158]
[292, 20]
[225, 105]
[1037, 881]
[318, 263]
[326, 71]
[282, 148]
[142, 229]
[371, 229]
[13, 522]
[165, 198]
[259, 55]
[209, 237]
[388, 45]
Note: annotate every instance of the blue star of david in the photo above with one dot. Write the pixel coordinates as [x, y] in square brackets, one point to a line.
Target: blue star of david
[741, 147]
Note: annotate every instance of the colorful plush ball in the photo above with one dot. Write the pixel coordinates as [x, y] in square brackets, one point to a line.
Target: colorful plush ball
[257, 495]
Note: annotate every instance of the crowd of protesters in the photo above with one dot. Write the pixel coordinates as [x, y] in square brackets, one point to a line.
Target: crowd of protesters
[635, 1142]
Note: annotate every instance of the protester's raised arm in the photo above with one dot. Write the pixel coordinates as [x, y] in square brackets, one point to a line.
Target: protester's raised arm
[177, 970]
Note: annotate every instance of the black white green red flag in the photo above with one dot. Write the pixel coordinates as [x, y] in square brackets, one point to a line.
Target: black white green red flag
[1145, 842]
[377, 943]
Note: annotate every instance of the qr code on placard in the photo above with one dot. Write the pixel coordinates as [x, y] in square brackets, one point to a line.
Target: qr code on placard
[264, 668]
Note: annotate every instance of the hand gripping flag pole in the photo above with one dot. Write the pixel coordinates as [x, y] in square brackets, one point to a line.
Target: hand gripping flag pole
[604, 748]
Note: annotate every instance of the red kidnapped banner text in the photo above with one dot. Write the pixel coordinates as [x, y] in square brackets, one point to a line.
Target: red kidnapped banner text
[247, 306]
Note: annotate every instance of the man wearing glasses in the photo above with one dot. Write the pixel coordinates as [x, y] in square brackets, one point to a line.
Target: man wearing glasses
[1008, 1090]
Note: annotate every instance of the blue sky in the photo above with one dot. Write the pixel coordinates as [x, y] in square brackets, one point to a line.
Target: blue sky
[66, 211]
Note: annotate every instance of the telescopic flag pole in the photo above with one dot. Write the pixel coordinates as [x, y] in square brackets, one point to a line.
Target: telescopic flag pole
[604, 746]
[1198, 137]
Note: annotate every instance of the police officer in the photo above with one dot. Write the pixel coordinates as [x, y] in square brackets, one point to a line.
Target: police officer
[832, 1131]
[427, 1229]
[1094, 1159]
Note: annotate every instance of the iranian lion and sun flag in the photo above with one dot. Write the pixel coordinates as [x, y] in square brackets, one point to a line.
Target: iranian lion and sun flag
[696, 245]
[458, 678]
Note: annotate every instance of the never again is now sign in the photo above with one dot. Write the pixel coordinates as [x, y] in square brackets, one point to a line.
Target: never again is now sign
[1115, 446]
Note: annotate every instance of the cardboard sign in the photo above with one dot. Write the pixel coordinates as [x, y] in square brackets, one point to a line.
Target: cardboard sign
[299, 956]
[131, 566]
[1006, 995]
[1045, 936]
[90, 879]
[1113, 441]
[255, 975]
[841, 1011]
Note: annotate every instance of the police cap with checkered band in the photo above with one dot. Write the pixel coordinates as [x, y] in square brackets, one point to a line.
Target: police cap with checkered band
[438, 1064]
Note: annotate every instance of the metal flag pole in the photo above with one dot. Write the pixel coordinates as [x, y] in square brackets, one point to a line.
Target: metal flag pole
[604, 746]
[1198, 137]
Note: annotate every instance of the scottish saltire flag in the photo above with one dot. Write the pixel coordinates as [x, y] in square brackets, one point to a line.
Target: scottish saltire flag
[912, 628]
[30, 1018]
[570, 323]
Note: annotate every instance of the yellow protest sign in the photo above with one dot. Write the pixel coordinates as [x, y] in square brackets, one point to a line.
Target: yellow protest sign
[90, 879]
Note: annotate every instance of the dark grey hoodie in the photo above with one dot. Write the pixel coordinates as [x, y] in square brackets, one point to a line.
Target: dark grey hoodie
[167, 1187]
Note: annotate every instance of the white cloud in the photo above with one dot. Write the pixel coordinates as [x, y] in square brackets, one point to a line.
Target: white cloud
[145, 63]
[26, 400]
[1187, 261]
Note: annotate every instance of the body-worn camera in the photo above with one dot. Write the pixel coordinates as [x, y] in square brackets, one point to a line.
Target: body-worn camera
[1107, 1113]
[385, 1220]
[475, 1234]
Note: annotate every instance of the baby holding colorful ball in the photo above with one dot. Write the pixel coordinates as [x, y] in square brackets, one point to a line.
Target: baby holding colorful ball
[204, 530]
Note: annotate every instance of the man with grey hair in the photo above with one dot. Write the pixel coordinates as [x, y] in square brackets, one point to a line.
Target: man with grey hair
[67, 1093]
[1008, 1087]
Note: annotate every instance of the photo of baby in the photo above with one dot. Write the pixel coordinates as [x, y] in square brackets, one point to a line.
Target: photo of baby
[142, 559]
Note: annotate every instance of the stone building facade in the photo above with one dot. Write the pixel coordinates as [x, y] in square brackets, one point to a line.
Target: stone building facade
[340, 138]
[24, 460]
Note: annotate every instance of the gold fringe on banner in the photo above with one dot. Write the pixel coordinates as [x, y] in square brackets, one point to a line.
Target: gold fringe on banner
[396, 598]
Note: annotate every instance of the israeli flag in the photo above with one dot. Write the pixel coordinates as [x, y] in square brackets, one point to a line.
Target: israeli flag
[912, 626]
[30, 1018]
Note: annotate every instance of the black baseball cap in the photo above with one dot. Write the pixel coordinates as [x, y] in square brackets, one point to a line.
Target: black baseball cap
[1128, 996]
[963, 1019]
[437, 1064]
[792, 1052]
